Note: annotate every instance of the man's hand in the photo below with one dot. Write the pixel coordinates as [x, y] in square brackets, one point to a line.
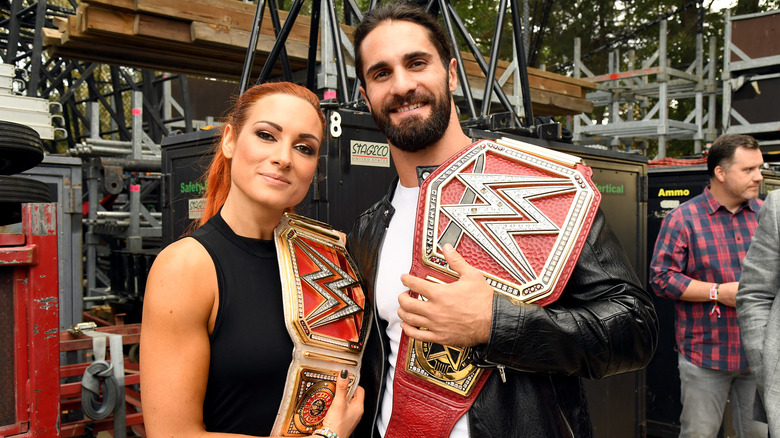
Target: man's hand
[458, 314]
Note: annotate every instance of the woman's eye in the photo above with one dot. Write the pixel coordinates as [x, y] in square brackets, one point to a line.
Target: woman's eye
[265, 135]
[305, 149]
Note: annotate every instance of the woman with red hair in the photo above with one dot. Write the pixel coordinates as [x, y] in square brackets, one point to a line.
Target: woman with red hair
[214, 346]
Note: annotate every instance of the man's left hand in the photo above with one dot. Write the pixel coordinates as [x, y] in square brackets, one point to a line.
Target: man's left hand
[458, 314]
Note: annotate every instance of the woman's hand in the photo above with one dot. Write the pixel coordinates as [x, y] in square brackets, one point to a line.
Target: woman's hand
[343, 415]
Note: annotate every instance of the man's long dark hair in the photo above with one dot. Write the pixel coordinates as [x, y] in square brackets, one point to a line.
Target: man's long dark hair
[400, 12]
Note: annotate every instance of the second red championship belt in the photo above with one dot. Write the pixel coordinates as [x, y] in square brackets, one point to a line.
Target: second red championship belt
[519, 213]
[327, 319]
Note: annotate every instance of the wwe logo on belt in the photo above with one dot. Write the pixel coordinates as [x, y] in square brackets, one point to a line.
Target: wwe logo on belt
[494, 223]
[510, 213]
[331, 291]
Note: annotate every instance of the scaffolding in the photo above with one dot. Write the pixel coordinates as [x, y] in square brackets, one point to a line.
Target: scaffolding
[751, 77]
[128, 171]
[637, 101]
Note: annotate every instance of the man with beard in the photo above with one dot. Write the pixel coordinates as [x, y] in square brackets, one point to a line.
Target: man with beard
[603, 323]
[697, 262]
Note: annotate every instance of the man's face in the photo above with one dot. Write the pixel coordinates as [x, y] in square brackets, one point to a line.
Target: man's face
[742, 177]
[407, 87]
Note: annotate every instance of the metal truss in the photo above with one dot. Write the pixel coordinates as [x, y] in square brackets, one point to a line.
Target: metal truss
[74, 83]
[113, 118]
[740, 69]
[333, 75]
[637, 101]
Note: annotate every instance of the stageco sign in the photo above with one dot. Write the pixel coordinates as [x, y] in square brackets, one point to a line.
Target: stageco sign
[366, 153]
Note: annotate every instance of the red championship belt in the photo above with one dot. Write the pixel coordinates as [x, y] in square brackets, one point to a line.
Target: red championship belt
[519, 213]
[326, 316]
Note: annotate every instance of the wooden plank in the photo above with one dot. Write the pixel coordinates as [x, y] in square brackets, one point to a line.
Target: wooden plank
[113, 21]
[539, 79]
[546, 103]
[226, 12]
[229, 13]
[561, 78]
[96, 19]
[237, 39]
[111, 27]
[149, 62]
[98, 41]
[128, 5]
[221, 36]
[172, 62]
[555, 86]
[124, 49]
[71, 29]
[61, 23]
[162, 28]
[92, 19]
[543, 102]
[473, 69]
[51, 37]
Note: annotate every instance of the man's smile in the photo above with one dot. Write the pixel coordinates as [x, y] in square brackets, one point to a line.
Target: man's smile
[406, 108]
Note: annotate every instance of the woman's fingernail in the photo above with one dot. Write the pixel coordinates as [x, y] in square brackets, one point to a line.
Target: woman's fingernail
[344, 374]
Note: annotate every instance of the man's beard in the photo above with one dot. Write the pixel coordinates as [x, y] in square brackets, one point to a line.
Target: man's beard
[416, 133]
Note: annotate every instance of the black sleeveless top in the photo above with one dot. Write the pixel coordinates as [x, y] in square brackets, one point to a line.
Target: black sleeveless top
[250, 347]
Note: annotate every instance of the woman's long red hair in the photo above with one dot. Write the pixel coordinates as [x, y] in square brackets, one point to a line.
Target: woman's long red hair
[218, 175]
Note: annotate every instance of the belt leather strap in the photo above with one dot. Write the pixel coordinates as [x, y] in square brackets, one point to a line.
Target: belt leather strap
[519, 213]
[326, 317]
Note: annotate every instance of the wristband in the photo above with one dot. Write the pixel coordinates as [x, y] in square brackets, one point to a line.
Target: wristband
[714, 297]
[714, 292]
[326, 433]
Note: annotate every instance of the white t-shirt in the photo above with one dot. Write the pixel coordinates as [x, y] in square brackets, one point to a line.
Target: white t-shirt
[395, 259]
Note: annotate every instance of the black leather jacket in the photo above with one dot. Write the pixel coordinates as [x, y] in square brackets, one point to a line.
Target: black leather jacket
[604, 323]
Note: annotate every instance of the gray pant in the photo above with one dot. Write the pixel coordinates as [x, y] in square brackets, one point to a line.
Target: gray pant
[704, 396]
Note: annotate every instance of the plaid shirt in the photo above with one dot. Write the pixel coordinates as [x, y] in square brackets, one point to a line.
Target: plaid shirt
[702, 240]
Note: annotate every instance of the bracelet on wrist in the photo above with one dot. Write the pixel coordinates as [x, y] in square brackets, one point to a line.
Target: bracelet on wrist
[714, 291]
[326, 433]
[714, 297]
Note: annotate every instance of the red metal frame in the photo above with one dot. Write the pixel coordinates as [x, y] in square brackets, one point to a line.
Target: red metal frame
[70, 393]
[39, 395]
[33, 257]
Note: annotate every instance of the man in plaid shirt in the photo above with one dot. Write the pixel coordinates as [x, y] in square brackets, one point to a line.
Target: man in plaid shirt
[697, 263]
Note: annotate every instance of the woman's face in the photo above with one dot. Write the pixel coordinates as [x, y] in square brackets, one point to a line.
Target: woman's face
[274, 156]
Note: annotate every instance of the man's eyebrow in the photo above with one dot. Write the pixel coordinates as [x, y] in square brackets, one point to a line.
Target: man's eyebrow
[379, 65]
[417, 54]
